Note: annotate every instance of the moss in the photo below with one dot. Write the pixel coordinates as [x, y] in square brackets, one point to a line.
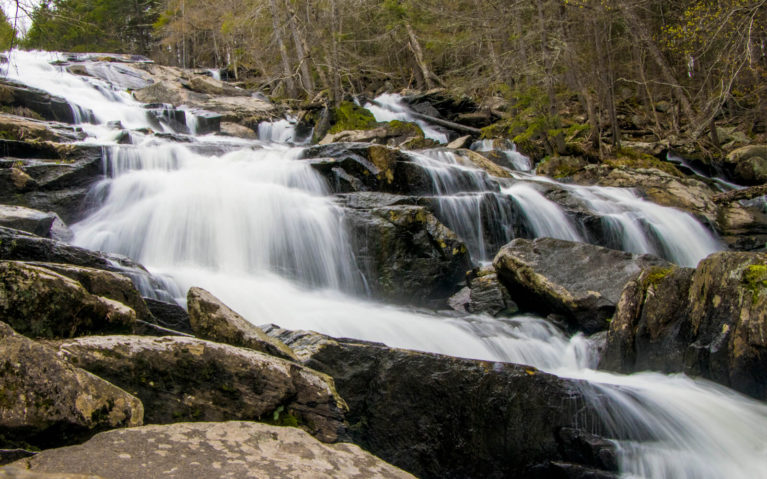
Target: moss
[631, 158]
[755, 279]
[349, 116]
[283, 417]
[654, 276]
[405, 128]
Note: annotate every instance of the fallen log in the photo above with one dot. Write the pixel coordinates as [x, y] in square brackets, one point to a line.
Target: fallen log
[738, 195]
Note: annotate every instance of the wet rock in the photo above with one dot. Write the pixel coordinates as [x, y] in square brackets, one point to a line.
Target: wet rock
[406, 254]
[747, 165]
[14, 127]
[49, 107]
[211, 86]
[444, 417]
[39, 302]
[21, 246]
[46, 402]
[238, 131]
[201, 122]
[169, 315]
[47, 225]
[374, 167]
[179, 378]
[213, 450]
[709, 322]
[484, 294]
[580, 281]
[211, 319]
[473, 159]
[440, 103]
[49, 176]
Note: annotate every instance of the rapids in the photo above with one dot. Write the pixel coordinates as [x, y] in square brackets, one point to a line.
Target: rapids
[257, 227]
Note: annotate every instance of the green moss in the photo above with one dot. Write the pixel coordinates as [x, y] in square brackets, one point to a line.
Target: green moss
[283, 417]
[405, 128]
[349, 116]
[755, 279]
[655, 275]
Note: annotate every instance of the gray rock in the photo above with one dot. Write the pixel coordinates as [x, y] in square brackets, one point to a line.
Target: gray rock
[709, 322]
[179, 378]
[13, 472]
[211, 319]
[48, 225]
[214, 450]
[46, 402]
[580, 281]
[438, 416]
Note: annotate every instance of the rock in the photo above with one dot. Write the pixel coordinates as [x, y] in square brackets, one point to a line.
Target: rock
[560, 166]
[8, 456]
[47, 225]
[49, 176]
[239, 131]
[462, 142]
[473, 159]
[580, 281]
[169, 315]
[21, 246]
[361, 167]
[14, 127]
[39, 302]
[211, 319]
[747, 165]
[393, 133]
[709, 322]
[488, 295]
[102, 283]
[46, 402]
[406, 254]
[16, 473]
[213, 450]
[439, 416]
[441, 103]
[49, 107]
[179, 378]
[211, 86]
[201, 122]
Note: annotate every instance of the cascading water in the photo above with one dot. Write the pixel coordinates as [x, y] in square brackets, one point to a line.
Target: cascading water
[389, 107]
[254, 226]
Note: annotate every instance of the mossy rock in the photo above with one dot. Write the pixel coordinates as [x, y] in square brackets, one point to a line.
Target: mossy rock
[560, 166]
[631, 158]
[348, 116]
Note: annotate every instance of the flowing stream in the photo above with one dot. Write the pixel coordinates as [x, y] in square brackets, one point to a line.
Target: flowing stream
[254, 225]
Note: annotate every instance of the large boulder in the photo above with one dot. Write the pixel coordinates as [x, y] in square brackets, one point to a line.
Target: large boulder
[46, 402]
[40, 223]
[406, 254]
[394, 133]
[578, 281]
[49, 176]
[49, 107]
[484, 294]
[13, 127]
[709, 322]
[443, 417]
[39, 302]
[213, 451]
[21, 246]
[211, 319]
[180, 378]
[747, 165]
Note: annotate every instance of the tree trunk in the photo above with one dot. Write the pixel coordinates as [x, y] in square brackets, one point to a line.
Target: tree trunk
[303, 60]
[278, 36]
[415, 47]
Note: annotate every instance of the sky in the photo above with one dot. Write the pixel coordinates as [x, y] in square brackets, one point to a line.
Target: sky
[9, 7]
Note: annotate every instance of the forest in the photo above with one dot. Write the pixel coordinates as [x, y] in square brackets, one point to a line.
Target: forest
[697, 61]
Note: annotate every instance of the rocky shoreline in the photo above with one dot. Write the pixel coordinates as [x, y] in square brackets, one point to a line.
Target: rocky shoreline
[97, 379]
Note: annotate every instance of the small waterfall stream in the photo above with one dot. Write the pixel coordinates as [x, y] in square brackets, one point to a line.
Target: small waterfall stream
[256, 227]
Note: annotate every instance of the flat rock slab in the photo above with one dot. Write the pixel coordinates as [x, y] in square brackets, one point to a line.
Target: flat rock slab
[16, 473]
[213, 450]
[579, 281]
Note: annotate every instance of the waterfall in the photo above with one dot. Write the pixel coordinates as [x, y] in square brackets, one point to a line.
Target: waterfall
[390, 107]
[257, 228]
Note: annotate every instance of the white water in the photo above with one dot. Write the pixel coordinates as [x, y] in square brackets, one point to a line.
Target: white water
[390, 107]
[254, 227]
